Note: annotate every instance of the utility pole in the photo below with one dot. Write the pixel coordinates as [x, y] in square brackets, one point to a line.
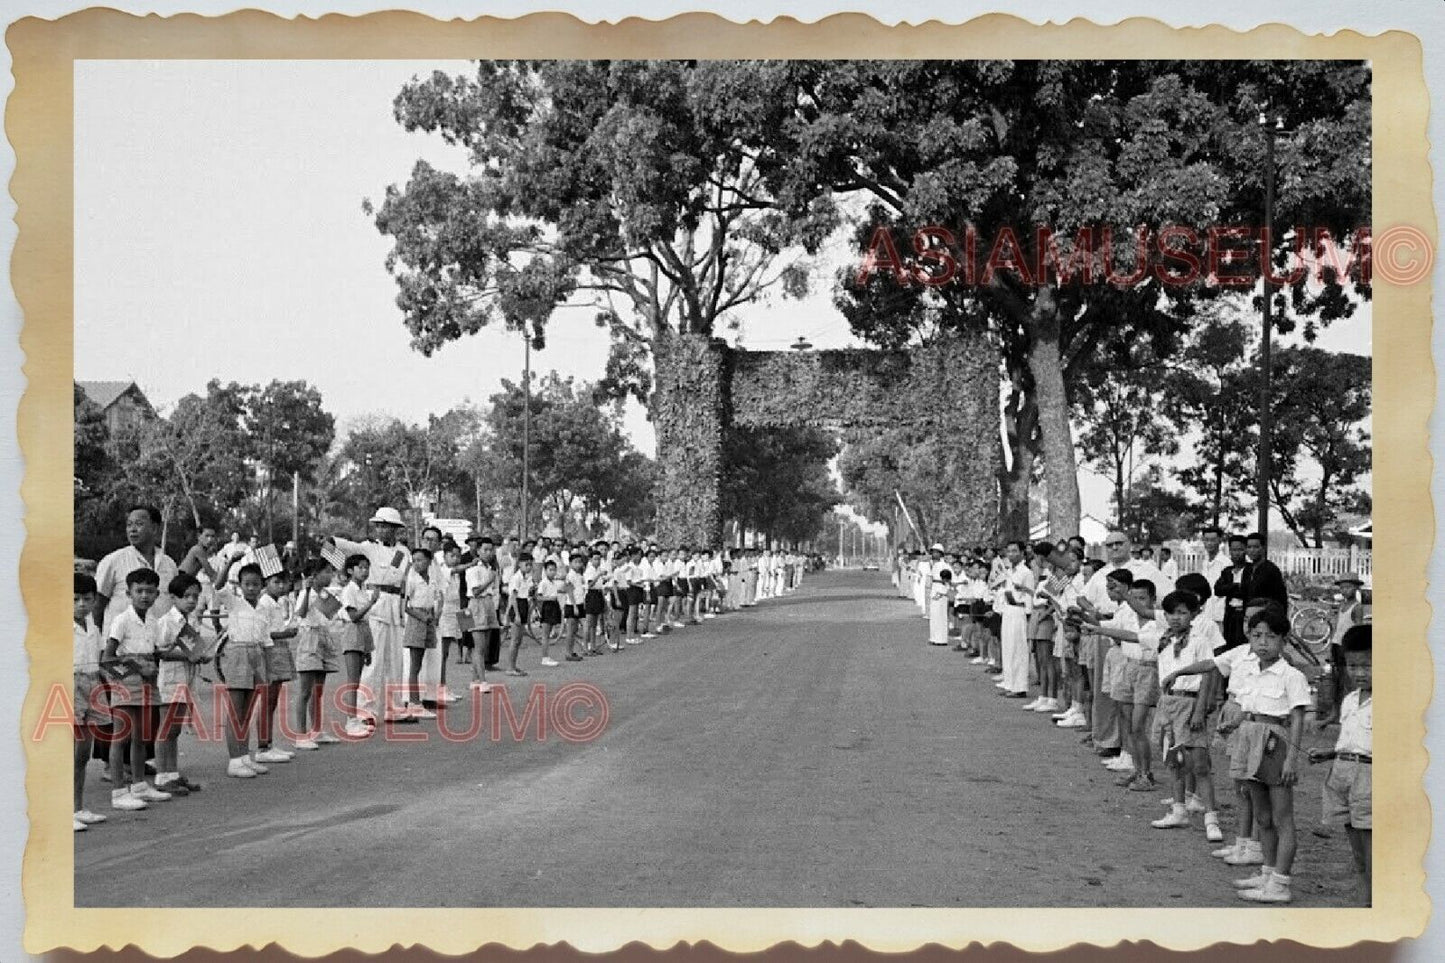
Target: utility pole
[1266, 418]
[526, 423]
[296, 511]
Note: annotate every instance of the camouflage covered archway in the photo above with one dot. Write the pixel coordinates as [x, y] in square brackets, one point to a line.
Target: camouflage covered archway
[703, 386]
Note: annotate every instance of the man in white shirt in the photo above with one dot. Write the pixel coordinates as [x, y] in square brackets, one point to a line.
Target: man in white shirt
[1167, 565]
[381, 681]
[142, 526]
[1216, 560]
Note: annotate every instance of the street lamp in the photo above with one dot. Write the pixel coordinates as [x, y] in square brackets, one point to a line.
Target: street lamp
[526, 422]
[1266, 417]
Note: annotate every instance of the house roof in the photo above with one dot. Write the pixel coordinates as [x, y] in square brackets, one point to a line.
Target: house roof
[106, 393]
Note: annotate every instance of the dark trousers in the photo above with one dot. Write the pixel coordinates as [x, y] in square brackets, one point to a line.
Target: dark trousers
[494, 647]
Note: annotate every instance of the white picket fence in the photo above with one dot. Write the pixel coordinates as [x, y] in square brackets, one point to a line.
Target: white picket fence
[1293, 561]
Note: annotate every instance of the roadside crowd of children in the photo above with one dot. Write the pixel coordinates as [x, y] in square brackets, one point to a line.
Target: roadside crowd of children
[1143, 662]
[385, 617]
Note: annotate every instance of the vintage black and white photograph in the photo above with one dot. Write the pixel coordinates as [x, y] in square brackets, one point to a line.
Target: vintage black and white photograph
[722, 483]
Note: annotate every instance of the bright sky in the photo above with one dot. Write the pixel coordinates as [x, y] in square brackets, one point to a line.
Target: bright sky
[219, 233]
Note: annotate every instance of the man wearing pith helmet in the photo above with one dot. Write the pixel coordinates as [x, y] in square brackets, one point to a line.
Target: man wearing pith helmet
[381, 681]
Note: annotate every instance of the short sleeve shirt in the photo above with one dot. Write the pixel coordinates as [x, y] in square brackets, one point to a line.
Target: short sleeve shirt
[420, 594]
[1357, 723]
[245, 624]
[168, 629]
[276, 613]
[387, 564]
[134, 635]
[87, 649]
[111, 573]
[1196, 648]
[353, 596]
[1147, 648]
[576, 586]
[1274, 690]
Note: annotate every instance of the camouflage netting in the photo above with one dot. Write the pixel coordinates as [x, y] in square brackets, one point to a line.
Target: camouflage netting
[949, 387]
[689, 411]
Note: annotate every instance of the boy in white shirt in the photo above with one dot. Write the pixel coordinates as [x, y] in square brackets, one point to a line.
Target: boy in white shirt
[1183, 719]
[1347, 792]
[550, 590]
[275, 607]
[130, 659]
[86, 663]
[178, 650]
[575, 592]
[241, 664]
[420, 634]
[521, 592]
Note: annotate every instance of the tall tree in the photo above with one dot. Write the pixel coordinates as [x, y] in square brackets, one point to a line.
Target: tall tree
[1321, 447]
[290, 434]
[778, 482]
[1118, 408]
[994, 149]
[1209, 395]
[621, 179]
[205, 445]
[576, 451]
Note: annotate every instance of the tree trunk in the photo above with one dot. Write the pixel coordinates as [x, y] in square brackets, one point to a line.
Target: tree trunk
[1218, 486]
[1014, 484]
[1119, 493]
[1013, 514]
[1061, 472]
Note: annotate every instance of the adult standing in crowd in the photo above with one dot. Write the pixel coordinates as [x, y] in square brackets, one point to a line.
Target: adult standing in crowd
[1118, 553]
[381, 681]
[1229, 589]
[1216, 560]
[142, 526]
[1262, 578]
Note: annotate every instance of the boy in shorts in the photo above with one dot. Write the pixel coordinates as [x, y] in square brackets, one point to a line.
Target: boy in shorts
[178, 650]
[1347, 794]
[1182, 720]
[1135, 685]
[86, 662]
[130, 656]
[241, 666]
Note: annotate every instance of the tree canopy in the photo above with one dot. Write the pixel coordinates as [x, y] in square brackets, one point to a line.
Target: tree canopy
[995, 149]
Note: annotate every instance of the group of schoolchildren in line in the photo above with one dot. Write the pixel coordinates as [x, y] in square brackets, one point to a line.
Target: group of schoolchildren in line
[386, 616]
[1141, 661]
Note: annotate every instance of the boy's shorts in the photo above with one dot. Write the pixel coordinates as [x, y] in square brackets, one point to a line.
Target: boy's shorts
[423, 635]
[1246, 748]
[86, 683]
[1114, 662]
[1347, 795]
[1136, 683]
[280, 664]
[1173, 716]
[593, 603]
[242, 666]
[484, 613]
[177, 710]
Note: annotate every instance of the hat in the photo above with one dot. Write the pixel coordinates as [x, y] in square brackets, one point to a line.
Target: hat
[1350, 577]
[473, 538]
[936, 547]
[388, 516]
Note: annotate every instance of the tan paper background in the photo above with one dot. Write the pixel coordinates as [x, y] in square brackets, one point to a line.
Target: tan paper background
[39, 125]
